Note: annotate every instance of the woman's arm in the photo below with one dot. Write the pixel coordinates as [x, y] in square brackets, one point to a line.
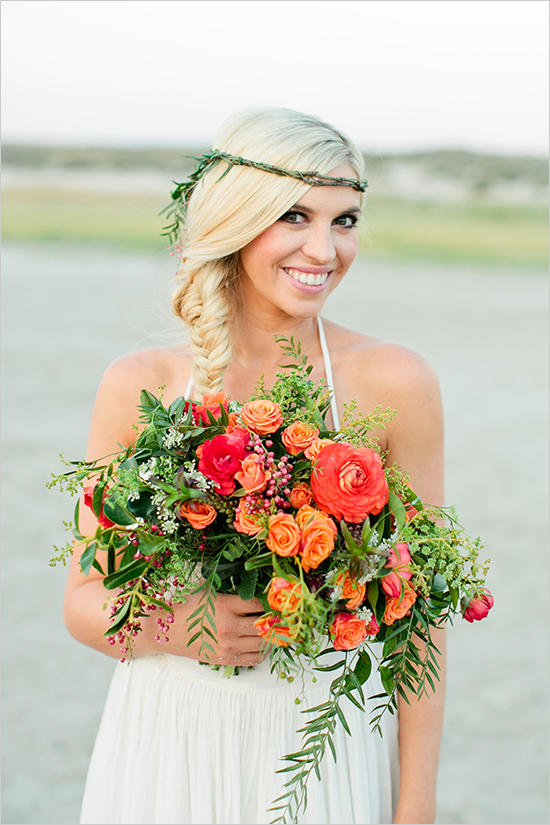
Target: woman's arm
[113, 426]
[414, 440]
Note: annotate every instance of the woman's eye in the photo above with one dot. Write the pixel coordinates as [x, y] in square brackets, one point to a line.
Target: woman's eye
[293, 217]
[347, 221]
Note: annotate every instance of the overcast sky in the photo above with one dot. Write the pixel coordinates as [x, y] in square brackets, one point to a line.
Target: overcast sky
[397, 75]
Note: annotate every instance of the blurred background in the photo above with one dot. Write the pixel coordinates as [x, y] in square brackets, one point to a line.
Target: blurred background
[102, 104]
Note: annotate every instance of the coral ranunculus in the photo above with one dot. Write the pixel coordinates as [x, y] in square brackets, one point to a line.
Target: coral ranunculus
[198, 513]
[298, 437]
[284, 535]
[348, 631]
[349, 483]
[262, 416]
[478, 607]
[283, 595]
[317, 542]
[252, 475]
[397, 607]
[220, 459]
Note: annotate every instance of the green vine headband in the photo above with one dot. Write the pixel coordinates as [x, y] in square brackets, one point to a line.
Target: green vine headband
[183, 191]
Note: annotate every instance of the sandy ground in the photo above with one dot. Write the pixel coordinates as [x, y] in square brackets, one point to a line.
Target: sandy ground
[69, 310]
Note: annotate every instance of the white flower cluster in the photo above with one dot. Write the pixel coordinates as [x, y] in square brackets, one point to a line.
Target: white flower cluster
[167, 519]
[172, 438]
[364, 613]
[235, 407]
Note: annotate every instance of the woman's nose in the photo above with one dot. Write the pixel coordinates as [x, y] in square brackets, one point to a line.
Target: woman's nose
[319, 244]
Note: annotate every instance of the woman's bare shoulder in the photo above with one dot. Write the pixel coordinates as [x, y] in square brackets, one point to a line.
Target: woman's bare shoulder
[361, 358]
[160, 371]
[168, 368]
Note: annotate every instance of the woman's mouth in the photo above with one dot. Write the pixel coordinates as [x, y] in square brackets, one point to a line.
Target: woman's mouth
[309, 278]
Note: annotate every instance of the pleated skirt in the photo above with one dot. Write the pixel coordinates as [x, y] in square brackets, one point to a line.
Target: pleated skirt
[179, 743]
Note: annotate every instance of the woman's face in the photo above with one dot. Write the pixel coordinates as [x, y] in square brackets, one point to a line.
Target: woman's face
[296, 263]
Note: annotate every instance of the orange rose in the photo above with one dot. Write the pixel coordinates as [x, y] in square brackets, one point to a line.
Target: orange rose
[252, 476]
[316, 446]
[298, 437]
[349, 483]
[244, 521]
[198, 514]
[262, 416]
[300, 494]
[211, 402]
[306, 513]
[348, 631]
[351, 590]
[284, 535]
[397, 607]
[317, 542]
[283, 595]
[268, 628]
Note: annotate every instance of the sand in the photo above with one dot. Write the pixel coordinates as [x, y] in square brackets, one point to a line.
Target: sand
[68, 310]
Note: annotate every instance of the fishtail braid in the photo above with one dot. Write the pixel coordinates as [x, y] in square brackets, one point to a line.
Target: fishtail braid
[203, 300]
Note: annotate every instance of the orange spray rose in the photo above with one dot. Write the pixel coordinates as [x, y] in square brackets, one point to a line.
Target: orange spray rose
[262, 416]
[283, 595]
[284, 535]
[198, 514]
[348, 631]
[298, 437]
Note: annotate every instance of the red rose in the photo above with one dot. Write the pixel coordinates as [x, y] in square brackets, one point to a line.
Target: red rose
[478, 607]
[349, 483]
[220, 459]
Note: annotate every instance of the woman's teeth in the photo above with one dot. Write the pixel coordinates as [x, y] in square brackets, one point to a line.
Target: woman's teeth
[307, 278]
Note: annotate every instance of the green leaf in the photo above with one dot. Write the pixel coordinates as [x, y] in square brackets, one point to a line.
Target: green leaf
[348, 538]
[87, 558]
[125, 574]
[122, 618]
[247, 587]
[117, 514]
[387, 679]
[397, 508]
[363, 667]
[439, 584]
[97, 499]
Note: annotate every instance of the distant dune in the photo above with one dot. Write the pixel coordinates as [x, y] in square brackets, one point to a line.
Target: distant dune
[440, 176]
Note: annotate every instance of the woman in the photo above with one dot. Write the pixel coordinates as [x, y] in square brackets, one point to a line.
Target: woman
[262, 252]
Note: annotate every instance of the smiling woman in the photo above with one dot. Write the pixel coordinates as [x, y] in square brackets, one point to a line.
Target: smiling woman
[263, 246]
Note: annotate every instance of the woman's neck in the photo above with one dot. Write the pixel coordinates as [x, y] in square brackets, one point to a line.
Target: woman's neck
[256, 353]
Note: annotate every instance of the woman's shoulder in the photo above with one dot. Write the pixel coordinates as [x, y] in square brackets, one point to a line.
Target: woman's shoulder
[161, 371]
[364, 358]
[166, 368]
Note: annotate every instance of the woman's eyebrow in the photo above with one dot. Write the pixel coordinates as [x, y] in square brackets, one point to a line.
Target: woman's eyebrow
[299, 207]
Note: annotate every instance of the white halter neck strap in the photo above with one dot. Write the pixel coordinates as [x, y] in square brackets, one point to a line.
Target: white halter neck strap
[328, 373]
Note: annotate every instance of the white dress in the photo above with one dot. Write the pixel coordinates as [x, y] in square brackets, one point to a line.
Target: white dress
[179, 743]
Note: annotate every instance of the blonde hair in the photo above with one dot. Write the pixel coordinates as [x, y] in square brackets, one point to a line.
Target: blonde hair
[226, 213]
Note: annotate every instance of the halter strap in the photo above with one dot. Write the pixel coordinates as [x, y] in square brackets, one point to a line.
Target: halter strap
[328, 372]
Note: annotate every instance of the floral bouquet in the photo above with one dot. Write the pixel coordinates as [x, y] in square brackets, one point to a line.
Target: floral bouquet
[264, 500]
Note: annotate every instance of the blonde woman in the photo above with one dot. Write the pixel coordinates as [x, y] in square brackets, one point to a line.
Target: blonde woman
[262, 252]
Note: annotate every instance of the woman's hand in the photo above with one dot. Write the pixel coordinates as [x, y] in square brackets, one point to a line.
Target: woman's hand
[237, 640]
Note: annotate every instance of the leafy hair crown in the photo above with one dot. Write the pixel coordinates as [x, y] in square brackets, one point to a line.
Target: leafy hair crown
[183, 191]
